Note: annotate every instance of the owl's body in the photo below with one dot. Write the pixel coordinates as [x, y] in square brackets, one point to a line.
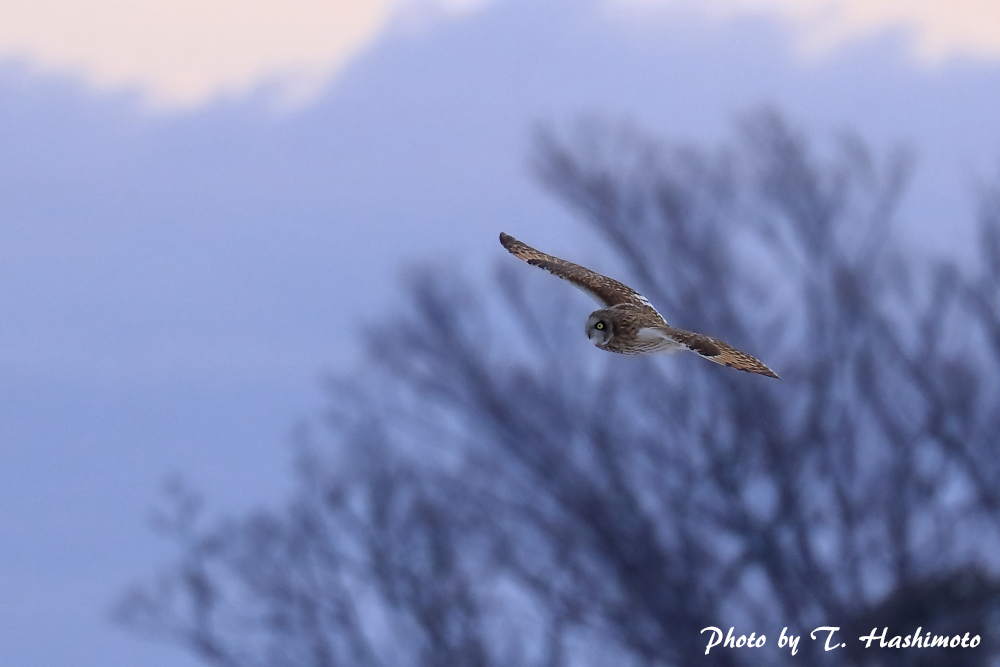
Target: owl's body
[623, 324]
[628, 324]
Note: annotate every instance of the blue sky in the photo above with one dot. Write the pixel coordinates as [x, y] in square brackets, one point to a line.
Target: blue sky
[187, 245]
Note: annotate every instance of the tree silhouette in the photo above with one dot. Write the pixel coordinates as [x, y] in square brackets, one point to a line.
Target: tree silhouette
[495, 492]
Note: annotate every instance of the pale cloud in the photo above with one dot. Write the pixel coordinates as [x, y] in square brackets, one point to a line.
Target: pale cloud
[182, 52]
[940, 28]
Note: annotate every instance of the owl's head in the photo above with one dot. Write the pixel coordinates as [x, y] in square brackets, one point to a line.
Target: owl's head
[600, 328]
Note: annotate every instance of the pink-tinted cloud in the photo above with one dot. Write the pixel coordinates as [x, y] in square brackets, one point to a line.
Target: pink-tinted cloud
[940, 29]
[183, 52]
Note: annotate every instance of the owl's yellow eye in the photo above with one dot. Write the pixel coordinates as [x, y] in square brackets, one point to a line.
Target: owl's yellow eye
[599, 326]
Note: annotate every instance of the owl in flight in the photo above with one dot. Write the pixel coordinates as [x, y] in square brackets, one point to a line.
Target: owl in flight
[628, 323]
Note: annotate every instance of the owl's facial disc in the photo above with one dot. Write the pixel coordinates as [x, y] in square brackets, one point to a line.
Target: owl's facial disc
[599, 329]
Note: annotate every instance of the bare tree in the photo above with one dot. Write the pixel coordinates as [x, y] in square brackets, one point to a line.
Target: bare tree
[493, 493]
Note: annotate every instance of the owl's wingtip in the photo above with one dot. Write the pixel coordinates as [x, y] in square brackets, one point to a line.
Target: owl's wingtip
[767, 372]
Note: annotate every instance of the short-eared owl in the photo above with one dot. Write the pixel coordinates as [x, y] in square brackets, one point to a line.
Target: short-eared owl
[628, 323]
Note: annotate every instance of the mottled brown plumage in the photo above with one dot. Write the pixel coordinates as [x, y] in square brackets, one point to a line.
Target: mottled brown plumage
[629, 324]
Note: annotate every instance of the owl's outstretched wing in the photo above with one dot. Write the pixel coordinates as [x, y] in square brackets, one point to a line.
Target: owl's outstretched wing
[709, 348]
[606, 290]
